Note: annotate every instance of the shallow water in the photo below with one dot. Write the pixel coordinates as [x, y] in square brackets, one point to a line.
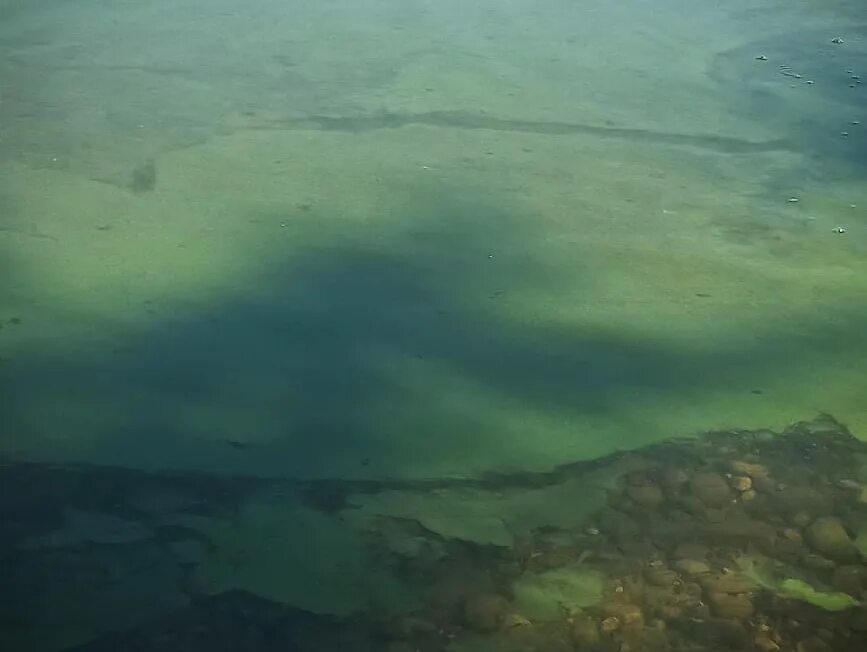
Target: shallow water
[373, 240]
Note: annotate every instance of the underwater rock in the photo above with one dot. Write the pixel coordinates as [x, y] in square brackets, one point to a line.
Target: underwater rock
[792, 534]
[728, 583]
[765, 484]
[691, 567]
[850, 579]
[674, 479]
[764, 643]
[485, 612]
[742, 531]
[828, 536]
[813, 644]
[734, 606]
[647, 495]
[515, 620]
[741, 483]
[610, 624]
[711, 489]
[627, 615]
[858, 619]
[817, 562]
[661, 576]
[797, 499]
[748, 469]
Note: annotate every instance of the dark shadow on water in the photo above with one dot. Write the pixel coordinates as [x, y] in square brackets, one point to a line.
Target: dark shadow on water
[317, 368]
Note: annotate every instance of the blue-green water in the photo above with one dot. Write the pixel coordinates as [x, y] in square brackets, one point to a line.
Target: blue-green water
[406, 241]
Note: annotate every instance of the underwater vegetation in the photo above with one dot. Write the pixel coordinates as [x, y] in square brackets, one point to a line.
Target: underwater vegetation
[736, 540]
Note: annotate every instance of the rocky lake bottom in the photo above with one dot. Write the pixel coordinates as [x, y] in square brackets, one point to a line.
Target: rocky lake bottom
[737, 540]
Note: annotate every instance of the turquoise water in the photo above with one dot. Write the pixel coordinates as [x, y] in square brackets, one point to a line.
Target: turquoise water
[403, 241]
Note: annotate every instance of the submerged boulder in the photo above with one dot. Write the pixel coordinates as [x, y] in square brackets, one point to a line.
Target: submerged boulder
[828, 536]
[711, 489]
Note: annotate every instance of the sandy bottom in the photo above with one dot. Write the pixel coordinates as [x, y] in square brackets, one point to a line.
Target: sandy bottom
[371, 241]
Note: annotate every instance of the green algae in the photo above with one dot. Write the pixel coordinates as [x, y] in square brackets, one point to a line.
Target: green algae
[547, 596]
[830, 601]
[769, 575]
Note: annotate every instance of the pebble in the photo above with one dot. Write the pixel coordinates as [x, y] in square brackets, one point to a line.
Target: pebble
[793, 200]
[742, 483]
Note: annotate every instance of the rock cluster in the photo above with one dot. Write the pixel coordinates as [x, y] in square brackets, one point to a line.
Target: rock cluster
[735, 541]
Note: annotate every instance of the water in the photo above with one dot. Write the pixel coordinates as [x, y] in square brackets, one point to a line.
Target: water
[401, 243]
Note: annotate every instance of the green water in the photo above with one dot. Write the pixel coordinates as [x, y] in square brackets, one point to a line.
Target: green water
[422, 239]
[371, 239]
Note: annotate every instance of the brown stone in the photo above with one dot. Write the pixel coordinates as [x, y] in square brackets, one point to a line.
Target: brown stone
[628, 615]
[610, 624]
[661, 576]
[818, 562]
[765, 643]
[673, 479]
[748, 495]
[485, 612]
[795, 499]
[647, 495]
[735, 606]
[691, 567]
[742, 483]
[728, 583]
[711, 489]
[828, 536]
[748, 469]
[765, 484]
[743, 530]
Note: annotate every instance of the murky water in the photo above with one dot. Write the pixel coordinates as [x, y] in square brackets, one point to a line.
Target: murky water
[405, 243]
